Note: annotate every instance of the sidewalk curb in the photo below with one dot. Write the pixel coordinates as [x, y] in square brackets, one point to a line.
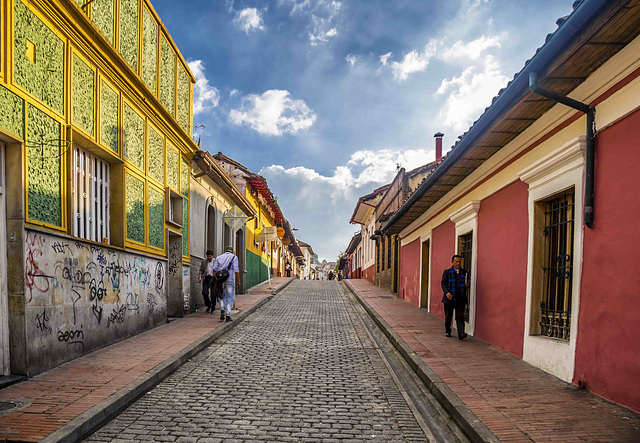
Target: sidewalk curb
[92, 419]
[470, 424]
[281, 288]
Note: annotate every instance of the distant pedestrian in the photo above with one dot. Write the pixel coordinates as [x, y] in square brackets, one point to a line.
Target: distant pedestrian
[206, 271]
[228, 262]
[454, 285]
[287, 268]
[330, 275]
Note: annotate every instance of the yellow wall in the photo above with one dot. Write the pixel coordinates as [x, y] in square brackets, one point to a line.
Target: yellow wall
[83, 42]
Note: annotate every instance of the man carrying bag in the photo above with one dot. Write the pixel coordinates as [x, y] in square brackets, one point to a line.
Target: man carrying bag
[225, 265]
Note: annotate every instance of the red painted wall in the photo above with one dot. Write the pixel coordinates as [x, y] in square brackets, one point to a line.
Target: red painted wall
[442, 248]
[369, 273]
[410, 272]
[608, 347]
[501, 281]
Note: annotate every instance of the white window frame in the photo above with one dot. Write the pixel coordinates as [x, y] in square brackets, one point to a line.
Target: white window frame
[466, 220]
[90, 196]
[560, 170]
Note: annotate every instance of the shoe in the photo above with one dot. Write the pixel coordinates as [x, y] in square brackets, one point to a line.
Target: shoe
[448, 334]
[228, 319]
[221, 315]
[463, 336]
[208, 309]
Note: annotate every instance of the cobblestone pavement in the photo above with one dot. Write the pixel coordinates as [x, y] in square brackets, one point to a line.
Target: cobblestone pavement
[302, 368]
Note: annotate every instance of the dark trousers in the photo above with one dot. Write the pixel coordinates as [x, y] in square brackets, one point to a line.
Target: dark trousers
[448, 316]
[288, 272]
[206, 289]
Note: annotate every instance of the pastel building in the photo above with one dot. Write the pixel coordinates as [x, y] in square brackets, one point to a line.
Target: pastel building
[539, 198]
[95, 152]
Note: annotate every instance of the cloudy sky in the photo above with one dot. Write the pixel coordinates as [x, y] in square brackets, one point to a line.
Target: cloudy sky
[325, 97]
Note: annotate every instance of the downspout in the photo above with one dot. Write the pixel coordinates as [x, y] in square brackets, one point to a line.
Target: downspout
[591, 142]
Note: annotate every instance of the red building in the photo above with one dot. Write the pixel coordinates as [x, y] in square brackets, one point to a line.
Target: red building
[543, 209]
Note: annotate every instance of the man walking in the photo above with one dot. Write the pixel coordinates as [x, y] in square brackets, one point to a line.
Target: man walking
[454, 285]
[229, 262]
[206, 271]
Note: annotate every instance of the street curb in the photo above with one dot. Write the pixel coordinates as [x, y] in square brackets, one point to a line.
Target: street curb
[275, 291]
[470, 424]
[91, 420]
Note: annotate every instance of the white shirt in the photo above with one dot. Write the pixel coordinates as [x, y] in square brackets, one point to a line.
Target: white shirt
[210, 266]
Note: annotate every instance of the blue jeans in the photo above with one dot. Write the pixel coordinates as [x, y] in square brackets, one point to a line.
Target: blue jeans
[228, 294]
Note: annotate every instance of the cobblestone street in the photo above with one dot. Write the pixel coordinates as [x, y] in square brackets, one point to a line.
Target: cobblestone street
[302, 368]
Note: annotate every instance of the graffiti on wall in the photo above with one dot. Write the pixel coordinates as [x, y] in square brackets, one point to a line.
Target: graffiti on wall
[75, 291]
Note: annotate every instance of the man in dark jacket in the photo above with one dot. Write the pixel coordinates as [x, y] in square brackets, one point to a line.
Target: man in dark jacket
[206, 271]
[454, 285]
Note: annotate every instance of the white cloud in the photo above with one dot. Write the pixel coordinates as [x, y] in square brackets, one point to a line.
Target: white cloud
[314, 197]
[351, 59]
[412, 62]
[471, 50]
[384, 58]
[249, 19]
[321, 15]
[273, 113]
[205, 96]
[470, 93]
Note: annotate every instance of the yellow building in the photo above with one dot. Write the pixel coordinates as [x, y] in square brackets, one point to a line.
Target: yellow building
[95, 133]
[265, 252]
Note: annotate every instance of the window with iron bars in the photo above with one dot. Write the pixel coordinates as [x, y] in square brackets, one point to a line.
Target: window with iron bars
[378, 255]
[465, 246]
[555, 306]
[90, 194]
[382, 253]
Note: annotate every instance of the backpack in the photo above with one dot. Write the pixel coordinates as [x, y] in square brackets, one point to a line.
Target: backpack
[223, 274]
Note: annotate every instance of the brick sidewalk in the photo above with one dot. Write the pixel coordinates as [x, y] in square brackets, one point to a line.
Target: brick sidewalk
[515, 400]
[57, 396]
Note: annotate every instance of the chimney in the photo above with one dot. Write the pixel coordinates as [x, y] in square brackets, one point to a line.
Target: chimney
[438, 137]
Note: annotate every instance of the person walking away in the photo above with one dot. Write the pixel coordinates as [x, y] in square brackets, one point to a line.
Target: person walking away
[230, 262]
[287, 268]
[206, 271]
[454, 285]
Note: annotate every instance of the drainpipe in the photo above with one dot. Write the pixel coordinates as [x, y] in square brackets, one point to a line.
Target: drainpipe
[591, 142]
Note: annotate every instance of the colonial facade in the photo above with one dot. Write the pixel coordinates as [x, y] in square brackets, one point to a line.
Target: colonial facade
[538, 198]
[387, 247]
[219, 213]
[265, 251]
[95, 142]
[364, 215]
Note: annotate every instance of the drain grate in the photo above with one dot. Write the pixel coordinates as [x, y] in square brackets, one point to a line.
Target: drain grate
[386, 296]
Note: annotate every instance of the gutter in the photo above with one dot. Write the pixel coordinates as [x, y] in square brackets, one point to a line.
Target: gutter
[563, 37]
[591, 143]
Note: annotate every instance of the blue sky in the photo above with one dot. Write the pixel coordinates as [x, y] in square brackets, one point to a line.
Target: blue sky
[325, 97]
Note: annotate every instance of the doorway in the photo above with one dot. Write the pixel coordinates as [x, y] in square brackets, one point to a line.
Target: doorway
[4, 296]
[211, 229]
[424, 276]
[240, 254]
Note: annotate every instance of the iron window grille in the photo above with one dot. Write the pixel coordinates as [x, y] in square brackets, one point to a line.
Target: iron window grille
[90, 194]
[378, 255]
[555, 307]
[382, 240]
[465, 245]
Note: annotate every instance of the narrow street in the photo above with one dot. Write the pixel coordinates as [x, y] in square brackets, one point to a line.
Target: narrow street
[308, 366]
